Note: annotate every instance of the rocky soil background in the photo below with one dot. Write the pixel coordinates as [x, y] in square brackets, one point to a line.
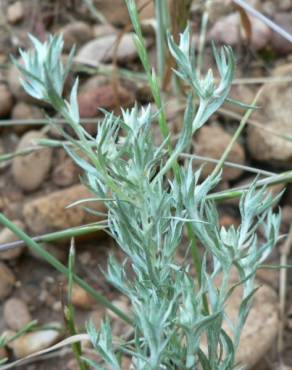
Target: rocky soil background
[36, 188]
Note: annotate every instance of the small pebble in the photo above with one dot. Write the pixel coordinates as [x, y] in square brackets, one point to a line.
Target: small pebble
[6, 100]
[76, 34]
[30, 171]
[127, 364]
[16, 88]
[16, 314]
[25, 111]
[7, 281]
[35, 341]
[57, 306]
[103, 49]
[211, 142]
[103, 97]
[15, 12]
[49, 212]
[66, 172]
[7, 236]
[262, 145]
[227, 31]
[80, 298]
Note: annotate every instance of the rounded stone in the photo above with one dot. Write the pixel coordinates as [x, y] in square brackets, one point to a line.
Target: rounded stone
[76, 34]
[80, 298]
[261, 327]
[35, 341]
[16, 314]
[106, 48]
[116, 12]
[29, 171]
[105, 96]
[65, 172]
[7, 281]
[15, 86]
[227, 30]
[15, 12]
[49, 212]
[6, 100]
[25, 111]
[266, 141]
[211, 141]
[7, 236]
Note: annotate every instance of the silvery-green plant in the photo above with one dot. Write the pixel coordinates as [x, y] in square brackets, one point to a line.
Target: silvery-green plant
[148, 210]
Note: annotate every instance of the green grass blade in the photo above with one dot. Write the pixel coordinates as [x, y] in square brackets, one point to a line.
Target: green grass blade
[61, 268]
[59, 235]
[236, 135]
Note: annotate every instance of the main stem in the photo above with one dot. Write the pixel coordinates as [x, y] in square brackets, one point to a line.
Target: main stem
[160, 7]
[160, 36]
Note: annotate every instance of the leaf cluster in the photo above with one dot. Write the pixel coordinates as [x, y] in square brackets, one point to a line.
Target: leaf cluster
[148, 211]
